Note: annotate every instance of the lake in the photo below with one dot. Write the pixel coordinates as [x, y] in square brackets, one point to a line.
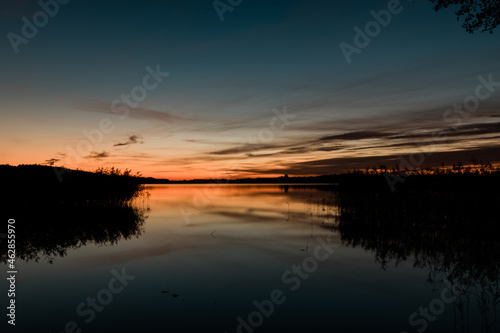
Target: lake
[254, 258]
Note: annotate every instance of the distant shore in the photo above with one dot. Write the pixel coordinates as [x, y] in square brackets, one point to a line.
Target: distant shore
[114, 181]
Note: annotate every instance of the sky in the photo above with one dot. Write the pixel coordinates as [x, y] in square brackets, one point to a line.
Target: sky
[233, 89]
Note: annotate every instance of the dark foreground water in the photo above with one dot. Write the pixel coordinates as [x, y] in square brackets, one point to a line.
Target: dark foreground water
[253, 258]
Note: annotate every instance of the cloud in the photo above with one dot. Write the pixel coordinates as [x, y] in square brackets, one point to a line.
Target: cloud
[98, 156]
[425, 126]
[464, 130]
[52, 161]
[136, 113]
[342, 164]
[131, 140]
[360, 135]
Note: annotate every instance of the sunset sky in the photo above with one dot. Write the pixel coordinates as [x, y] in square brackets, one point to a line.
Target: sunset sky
[215, 113]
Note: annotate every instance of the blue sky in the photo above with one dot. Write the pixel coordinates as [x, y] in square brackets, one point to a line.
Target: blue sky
[226, 77]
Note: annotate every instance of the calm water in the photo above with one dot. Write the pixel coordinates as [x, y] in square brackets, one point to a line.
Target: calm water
[223, 252]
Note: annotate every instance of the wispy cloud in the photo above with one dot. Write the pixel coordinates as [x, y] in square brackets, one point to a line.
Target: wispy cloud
[131, 140]
[136, 113]
[98, 156]
[360, 135]
[342, 164]
[52, 161]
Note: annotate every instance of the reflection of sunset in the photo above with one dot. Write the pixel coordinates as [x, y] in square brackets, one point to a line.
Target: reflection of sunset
[191, 221]
[226, 203]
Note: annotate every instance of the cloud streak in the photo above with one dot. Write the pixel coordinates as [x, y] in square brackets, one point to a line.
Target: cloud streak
[343, 164]
[131, 140]
[98, 156]
[52, 161]
[135, 113]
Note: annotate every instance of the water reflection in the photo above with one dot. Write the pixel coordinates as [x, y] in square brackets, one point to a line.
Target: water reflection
[454, 235]
[260, 232]
[47, 227]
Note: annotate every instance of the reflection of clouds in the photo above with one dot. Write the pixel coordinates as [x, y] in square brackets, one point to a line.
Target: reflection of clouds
[127, 255]
[250, 215]
[252, 223]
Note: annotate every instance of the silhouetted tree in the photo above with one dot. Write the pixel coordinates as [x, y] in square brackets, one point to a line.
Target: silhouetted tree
[479, 14]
